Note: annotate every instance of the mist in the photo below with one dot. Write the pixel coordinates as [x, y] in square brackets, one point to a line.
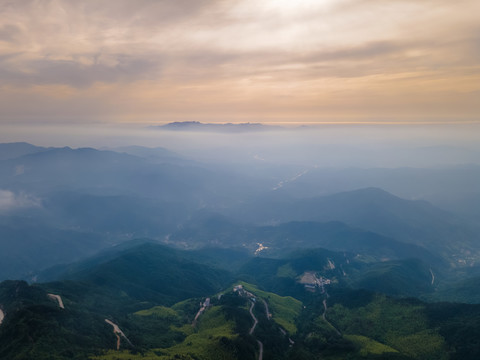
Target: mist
[335, 146]
[192, 188]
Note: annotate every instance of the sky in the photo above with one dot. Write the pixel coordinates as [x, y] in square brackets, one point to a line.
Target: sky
[270, 61]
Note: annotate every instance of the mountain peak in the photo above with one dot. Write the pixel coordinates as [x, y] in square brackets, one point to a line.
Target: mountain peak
[215, 127]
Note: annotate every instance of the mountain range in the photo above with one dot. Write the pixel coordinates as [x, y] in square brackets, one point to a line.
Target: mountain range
[112, 253]
[214, 127]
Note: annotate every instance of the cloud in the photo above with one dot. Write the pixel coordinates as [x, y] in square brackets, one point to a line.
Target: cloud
[79, 71]
[10, 201]
[252, 60]
[10, 33]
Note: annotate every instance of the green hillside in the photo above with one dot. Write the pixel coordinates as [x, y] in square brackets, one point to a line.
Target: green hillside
[401, 277]
[151, 272]
[157, 297]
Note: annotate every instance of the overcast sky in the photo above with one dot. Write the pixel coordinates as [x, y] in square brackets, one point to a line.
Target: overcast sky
[155, 61]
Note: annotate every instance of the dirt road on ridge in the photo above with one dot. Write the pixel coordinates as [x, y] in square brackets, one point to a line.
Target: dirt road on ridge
[325, 317]
[58, 299]
[255, 321]
[118, 333]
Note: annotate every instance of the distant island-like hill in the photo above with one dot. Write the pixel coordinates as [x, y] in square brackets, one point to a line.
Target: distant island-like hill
[212, 127]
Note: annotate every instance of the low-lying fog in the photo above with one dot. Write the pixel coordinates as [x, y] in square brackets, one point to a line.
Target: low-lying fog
[336, 146]
[73, 203]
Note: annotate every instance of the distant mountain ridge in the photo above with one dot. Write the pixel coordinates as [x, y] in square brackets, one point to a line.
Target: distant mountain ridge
[211, 127]
[17, 149]
[372, 209]
[215, 230]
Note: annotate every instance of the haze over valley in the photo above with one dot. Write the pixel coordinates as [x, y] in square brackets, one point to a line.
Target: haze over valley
[82, 216]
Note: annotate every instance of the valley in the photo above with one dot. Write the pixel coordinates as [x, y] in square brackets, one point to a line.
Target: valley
[275, 317]
[156, 258]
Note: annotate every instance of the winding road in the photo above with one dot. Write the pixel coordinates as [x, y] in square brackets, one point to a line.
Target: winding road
[324, 316]
[253, 300]
[194, 322]
[260, 351]
[324, 309]
[58, 299]
[203, 307]
[269, 315]
[255, 321]
[118, 333]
